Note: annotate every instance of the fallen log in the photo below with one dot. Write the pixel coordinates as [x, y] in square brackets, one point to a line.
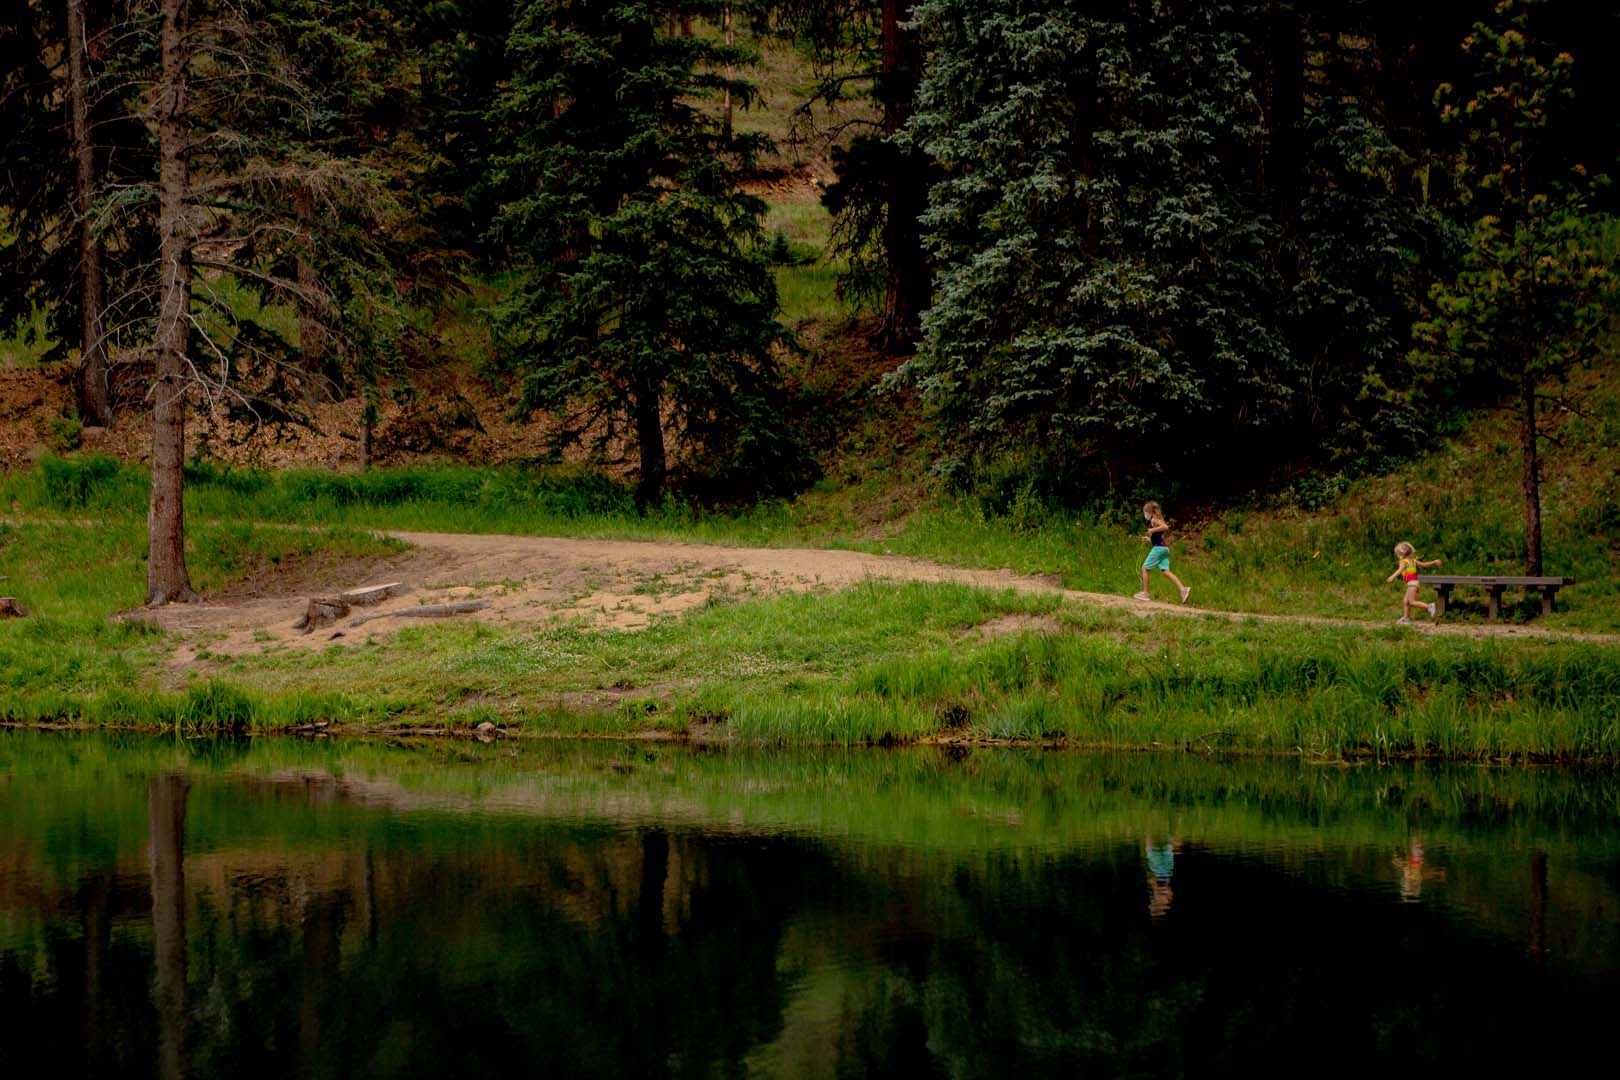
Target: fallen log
[425, 611]
[10, 608]
[369, 595]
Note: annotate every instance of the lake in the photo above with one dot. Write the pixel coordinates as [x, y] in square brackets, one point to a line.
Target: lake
[284, 908]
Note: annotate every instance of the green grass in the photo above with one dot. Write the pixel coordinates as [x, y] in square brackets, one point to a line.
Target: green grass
[69, 660]
[26, 343]
[876, 664]
[808, 288]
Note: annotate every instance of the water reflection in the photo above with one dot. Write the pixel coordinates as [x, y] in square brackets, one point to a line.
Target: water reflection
[1161, 863]
[287, 910]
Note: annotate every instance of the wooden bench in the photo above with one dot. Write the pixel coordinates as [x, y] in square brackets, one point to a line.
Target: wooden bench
[1494, 585]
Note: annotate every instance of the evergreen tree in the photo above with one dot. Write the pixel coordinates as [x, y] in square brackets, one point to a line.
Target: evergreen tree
[645, 305]
[1100, 290]
[1168, 236]
[67, 105]
[248, 191]
[1530, 299]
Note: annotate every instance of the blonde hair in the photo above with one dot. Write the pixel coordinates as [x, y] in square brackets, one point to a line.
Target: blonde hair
[1404, 550]
[1151, 507]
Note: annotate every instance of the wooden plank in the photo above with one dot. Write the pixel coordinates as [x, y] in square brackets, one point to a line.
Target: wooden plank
[1492, 579]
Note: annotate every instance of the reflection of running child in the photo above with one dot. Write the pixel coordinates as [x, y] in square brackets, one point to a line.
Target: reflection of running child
[1161, 860]
[1406, 568]
[1158, 540]
[1413, 871]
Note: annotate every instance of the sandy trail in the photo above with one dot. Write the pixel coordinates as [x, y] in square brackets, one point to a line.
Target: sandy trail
[625, 585]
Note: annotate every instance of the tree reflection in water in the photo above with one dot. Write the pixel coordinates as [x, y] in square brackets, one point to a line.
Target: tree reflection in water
[784, 915]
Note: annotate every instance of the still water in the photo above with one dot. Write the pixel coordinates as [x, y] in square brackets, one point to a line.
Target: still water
[286, 909]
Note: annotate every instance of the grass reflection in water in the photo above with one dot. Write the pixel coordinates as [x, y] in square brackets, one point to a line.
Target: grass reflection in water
[278, 908]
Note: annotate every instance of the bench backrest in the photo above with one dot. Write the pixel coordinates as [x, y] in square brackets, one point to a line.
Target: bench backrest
[1491, 579]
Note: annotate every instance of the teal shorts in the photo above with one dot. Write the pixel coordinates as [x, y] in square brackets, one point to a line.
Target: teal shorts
[1158, 559]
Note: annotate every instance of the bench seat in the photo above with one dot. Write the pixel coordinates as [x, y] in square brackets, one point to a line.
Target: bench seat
[1494, 584]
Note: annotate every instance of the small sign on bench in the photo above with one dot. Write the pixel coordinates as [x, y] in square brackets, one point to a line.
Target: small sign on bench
[1493, 584]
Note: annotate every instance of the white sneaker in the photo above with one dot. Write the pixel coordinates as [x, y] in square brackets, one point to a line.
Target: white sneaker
[1141, 596]
[1186, 591]
[1431, 609]
[1402, 621]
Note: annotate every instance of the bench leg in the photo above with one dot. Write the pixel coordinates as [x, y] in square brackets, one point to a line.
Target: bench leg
[1495, 602]
[1547, 594]
[1440, 600]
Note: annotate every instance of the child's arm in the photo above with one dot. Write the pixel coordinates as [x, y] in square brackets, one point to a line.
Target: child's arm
[1434, 562]
[1393, 576]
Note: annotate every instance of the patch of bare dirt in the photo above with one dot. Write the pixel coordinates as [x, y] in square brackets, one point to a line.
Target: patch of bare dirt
[1007, 625]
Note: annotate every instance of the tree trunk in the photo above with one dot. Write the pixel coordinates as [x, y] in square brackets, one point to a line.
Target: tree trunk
[166, 820]
[906, 294]
[368, 420]
[313, 343]
[725, 22]
[1530, 479]
[166, 577]
[650, 442]
[94, 394]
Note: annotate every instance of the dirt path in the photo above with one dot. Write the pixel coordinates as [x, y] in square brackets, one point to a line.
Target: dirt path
[620, 584]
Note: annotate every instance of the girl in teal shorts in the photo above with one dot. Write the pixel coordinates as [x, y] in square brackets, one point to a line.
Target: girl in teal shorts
[1158, 540]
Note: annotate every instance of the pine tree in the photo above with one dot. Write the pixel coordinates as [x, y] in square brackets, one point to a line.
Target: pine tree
[1100, 293]
[646, 308]
[250, 188]
[1536, 284]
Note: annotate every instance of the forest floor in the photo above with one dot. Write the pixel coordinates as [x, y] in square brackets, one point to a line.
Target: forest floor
[623, 586]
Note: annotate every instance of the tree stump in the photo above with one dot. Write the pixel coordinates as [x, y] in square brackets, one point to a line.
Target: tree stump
[322, 611]
[9, 608]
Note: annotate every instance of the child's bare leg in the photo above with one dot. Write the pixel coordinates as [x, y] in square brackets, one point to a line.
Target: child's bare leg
[1144, 579]
[1175, 580]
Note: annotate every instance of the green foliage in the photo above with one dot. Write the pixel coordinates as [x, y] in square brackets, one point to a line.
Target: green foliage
[92, 481]
[1532, 293]
[646, 302]
[1144, 257]
[63, 432]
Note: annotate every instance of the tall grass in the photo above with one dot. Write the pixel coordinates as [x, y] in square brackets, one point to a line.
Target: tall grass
[1216, 688]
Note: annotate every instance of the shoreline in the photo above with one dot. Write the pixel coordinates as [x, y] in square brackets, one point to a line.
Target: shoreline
[1353, 757]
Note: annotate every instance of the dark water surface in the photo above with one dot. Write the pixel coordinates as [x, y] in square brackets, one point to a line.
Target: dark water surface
[283, 909]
